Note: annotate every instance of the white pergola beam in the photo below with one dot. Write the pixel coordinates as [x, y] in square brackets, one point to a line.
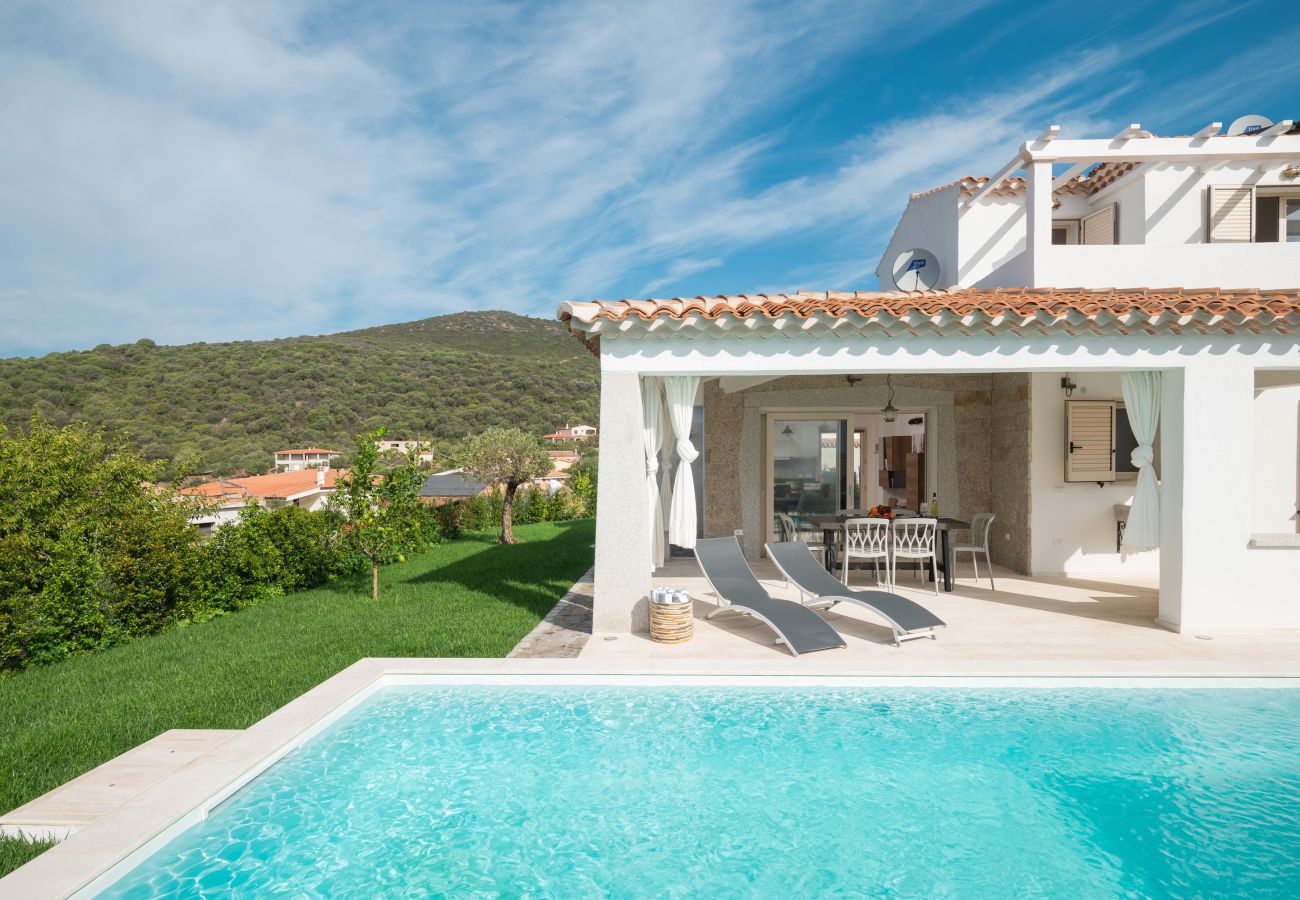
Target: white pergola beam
[1166, 149]
[1134, 130]
[1280, 128]
[1006, 172]
[1208, 131]
[1049, 135]
[1068, 175]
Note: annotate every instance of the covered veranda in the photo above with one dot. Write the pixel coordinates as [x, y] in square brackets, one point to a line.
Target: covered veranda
[996, 359]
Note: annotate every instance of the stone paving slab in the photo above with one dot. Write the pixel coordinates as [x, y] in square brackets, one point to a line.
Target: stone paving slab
[566, 628]
[91, 796]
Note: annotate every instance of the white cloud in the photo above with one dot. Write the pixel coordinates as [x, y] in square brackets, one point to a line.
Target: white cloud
[194, 169]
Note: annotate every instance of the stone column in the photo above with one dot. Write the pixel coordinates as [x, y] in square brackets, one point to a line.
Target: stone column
[622, 519]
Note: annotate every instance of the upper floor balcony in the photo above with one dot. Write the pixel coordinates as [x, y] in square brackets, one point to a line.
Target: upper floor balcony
[1209, 210]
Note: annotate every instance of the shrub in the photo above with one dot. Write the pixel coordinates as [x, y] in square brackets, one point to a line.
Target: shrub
[89, 552]
[272, 552]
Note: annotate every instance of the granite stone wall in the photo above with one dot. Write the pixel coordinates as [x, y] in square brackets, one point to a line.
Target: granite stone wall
[1012, 450]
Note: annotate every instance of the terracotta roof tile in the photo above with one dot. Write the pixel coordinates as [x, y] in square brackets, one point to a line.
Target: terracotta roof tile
[957, 311]
[1100, 176]
[276, 484]
[309, 450]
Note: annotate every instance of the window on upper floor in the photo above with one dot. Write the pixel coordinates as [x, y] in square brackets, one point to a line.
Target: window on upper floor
[1253, 214]
[1277, 216]
[1065, 231]
[1100, 227]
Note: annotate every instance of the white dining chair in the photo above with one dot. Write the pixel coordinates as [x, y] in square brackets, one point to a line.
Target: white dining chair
[787, 530]
[866, 539]
[914, 538]
[978, 543]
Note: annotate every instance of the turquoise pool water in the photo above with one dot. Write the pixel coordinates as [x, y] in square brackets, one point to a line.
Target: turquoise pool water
[737, 792]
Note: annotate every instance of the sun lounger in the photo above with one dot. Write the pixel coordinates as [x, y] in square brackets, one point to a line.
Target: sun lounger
[730, 578]
[907, 618]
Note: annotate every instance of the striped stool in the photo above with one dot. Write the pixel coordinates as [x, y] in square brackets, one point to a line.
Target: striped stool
[671, 623]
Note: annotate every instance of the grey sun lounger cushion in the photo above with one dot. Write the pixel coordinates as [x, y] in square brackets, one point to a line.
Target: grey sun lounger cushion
[798, 627]
[904, 616]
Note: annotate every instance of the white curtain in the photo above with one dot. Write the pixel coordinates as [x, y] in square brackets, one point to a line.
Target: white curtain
[665, 471]
[680, 391]
[1142, 401]
[652, 434]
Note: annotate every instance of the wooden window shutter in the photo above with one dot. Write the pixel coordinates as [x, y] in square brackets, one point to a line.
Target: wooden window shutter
[1099, 228]
[1089, 440]
[1232, 214]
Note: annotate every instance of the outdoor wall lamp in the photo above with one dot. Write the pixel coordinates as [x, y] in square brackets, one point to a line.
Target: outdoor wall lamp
[1068, 385]
[852, 379]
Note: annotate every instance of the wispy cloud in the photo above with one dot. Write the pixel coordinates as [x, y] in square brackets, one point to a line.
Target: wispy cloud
[204, 170]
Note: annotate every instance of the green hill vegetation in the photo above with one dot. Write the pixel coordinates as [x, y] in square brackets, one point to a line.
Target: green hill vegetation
[225, 408]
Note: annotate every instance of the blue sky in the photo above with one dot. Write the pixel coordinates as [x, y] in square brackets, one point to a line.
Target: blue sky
[205, 170]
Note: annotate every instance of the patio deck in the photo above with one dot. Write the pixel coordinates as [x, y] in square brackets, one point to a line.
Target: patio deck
[1028, 626]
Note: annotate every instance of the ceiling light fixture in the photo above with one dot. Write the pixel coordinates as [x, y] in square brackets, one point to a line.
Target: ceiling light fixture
[889, 413]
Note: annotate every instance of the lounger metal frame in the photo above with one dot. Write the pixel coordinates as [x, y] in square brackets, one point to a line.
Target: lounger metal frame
[725, 606]
[825, 602]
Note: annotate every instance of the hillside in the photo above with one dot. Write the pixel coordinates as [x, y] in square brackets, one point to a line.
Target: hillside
[227, 407]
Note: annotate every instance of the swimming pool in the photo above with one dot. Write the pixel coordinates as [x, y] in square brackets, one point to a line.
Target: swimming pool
[757, 791]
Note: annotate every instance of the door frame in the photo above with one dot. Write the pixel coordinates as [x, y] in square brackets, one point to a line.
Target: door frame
[803, 414]
[844, 414]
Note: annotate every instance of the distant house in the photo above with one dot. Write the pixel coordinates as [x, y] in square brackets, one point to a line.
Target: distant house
[305, 458]
[305, 488]
[451, 486]
[572, 433]
[420, 448]
[563, 460]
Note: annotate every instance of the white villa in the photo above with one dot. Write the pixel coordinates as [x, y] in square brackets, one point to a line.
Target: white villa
[1107, 329]
[297, 459]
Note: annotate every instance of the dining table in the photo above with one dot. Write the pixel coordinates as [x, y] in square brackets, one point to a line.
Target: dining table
[832, 526]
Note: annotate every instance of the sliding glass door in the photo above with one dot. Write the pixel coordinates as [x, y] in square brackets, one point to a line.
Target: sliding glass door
[809, 469]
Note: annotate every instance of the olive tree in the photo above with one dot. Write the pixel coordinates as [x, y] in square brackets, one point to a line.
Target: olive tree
[379, 496]
[508, 457]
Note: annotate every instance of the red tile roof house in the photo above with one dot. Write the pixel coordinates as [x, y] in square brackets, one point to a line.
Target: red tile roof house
[1031, 324]
[571, 433]
[307, 488]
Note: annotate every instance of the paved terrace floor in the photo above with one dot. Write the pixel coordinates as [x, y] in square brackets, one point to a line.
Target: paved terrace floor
[1028, 626]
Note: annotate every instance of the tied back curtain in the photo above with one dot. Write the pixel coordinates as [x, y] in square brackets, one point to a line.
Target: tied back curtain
[1142, 401]
[665, 469]
[652, 433]
[680, 391]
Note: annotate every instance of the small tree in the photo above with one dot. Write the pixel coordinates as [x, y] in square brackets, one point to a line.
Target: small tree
[508, 457]
[380, 497]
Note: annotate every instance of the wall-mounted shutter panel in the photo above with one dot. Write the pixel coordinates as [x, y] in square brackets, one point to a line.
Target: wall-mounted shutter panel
[1099, 228]
[1089, 440]
[1232, 214]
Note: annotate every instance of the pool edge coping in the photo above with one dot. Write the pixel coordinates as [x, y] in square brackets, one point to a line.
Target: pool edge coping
[102, 852]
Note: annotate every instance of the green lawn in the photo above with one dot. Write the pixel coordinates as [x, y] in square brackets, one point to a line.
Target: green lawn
[471, 597]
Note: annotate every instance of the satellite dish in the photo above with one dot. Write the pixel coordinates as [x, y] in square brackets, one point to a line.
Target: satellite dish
[1249, 125]
[916, 270]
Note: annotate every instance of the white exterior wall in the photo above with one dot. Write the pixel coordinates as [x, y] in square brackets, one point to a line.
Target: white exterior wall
[929, 222]
[991, 235]
[1072, 525]
[1275, 461]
